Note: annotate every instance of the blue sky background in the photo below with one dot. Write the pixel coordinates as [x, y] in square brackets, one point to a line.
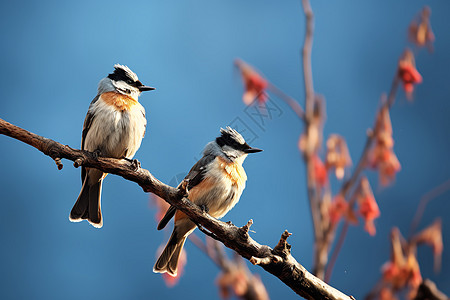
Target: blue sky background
[54, 53]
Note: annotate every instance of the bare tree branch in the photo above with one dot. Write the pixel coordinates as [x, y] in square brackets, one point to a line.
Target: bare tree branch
[306, 54]
[293, 104]
[320, 251]
[285, 267]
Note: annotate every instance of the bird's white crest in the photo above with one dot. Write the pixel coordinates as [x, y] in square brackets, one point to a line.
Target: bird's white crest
[233, 134]
[127, 70]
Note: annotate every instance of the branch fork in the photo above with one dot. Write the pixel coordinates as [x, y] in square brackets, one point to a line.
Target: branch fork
[281, 251]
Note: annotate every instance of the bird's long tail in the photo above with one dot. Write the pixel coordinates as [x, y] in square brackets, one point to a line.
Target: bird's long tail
[88, 205]
[168, 260]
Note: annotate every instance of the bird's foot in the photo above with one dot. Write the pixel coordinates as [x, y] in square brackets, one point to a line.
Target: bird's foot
[97, 153]
[184, 187]
[134, 163]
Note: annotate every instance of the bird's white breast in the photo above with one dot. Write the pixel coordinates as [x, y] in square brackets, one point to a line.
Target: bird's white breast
[116, 133]
[221, 188]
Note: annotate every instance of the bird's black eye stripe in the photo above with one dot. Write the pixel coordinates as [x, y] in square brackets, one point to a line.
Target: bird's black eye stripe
[242, 147]
[136, 84]
[227, 140]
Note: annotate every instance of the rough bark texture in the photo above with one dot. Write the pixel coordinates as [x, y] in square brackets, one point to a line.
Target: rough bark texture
[277, 261]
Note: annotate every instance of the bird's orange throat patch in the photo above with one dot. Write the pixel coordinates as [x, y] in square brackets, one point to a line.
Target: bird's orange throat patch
[234, 171]
[119, 101]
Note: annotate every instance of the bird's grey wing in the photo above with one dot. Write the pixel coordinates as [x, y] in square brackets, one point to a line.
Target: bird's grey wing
[198, 171]
[194, 177]
[86, 126]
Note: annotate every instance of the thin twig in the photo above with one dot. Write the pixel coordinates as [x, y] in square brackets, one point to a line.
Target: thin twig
[433, 194]
[295, 106]
[200, 245]
[372, 133]
[307, 49]
[309, 114]
[335, 253]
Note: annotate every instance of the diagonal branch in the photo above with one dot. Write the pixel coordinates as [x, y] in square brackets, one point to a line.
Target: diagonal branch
[287, 269]
[293, 104]
[347, 187]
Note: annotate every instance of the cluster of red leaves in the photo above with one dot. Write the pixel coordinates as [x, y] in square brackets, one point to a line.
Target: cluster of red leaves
[368, 207]
[420, 32]
[238, 281]
[381, 155]
[339, 208]
[402, 271]
[254, 82]
[408, 73]
[337, 157]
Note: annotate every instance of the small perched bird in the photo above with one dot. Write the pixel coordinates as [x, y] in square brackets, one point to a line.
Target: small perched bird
[215, 183]
[114, 127]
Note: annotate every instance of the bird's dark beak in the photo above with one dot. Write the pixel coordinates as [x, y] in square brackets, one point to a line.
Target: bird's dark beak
[145, 88]
[252, 150]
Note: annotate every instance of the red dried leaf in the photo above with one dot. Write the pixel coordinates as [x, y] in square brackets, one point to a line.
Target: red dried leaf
[408, 73]
[338, 209]
[432, 236]
[389, 168]
[337, 156]
[403, 269]
[255, 84]
[381, 155]
[368, 207]
[320, 171]
[420, 32]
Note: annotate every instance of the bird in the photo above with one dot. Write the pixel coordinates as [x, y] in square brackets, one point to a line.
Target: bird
[114, 127]
[215, 183]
